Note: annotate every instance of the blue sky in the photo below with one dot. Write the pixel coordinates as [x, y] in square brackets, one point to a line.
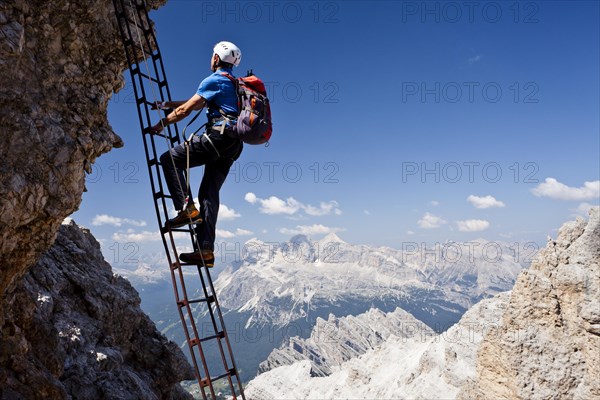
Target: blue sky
[394, 122]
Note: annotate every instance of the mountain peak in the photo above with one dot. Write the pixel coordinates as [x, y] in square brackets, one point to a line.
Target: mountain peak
[298, 239]
[332, 238]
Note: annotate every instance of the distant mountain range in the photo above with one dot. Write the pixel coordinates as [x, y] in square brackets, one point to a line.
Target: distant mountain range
[279, 291]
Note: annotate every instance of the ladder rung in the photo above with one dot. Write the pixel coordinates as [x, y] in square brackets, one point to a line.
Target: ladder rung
[195, 341]
[132, 23]
[218, 335]
[182, 264]
[142, 48]
[141, 100]
[172, 139]
[160, 194]
[130, 42]
[166, 230]
[196, 301]
[153, 161]
[150, 78]
[185, 230]
[183, 303]
[231, 372]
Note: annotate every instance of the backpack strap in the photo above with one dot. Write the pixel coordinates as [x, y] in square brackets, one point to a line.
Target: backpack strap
[236, 84]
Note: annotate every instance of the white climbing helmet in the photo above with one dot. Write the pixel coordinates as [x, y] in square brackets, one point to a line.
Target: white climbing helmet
[228, 52]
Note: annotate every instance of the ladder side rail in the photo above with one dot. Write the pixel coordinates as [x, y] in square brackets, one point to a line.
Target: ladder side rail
[192, 321]
[222, 329]
[132, 62]
[226, 337]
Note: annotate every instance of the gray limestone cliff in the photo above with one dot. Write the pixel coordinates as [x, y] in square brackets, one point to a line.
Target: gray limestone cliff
[68, 327]
[60, 61]
[548, 341]
[78, 332]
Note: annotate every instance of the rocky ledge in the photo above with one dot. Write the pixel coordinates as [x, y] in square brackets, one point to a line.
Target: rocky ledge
[548, 341]
[78, 332]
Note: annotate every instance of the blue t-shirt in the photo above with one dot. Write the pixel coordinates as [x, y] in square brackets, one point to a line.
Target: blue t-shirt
[219, 92]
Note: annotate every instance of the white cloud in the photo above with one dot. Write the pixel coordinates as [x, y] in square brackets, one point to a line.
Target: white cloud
[325, 208]
[367, 212]
[434, 203]
[131, 236]
[227, 214]
[410, 232]
[290, 206]
[250, 197]
[472, 225]
[316, 229]
[484, 202]
[556, 190]
[225, 234]
[474, 59]
[274, 205]
[430, 221]
[228, 234]
[105, 219]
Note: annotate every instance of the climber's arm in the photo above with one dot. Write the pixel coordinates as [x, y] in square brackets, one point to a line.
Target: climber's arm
[195, 103]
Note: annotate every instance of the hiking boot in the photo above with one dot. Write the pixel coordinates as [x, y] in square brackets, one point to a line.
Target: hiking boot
[204, 257]
[189, 215]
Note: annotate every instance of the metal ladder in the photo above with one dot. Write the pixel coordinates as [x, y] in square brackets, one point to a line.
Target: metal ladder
[141, 49]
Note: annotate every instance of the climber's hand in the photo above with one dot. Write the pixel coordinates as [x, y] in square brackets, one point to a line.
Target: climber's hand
[158, 128]
[158, 105]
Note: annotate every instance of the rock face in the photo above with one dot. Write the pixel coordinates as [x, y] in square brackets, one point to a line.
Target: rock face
[340, 339]
[78, 332]
[68, 328]
[60, 60]
[423, 365]
[548, 344]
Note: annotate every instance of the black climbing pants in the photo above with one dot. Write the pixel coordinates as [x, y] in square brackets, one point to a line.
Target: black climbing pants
[217, 153]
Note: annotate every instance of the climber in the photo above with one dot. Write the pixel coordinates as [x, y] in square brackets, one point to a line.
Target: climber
[214, 149]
